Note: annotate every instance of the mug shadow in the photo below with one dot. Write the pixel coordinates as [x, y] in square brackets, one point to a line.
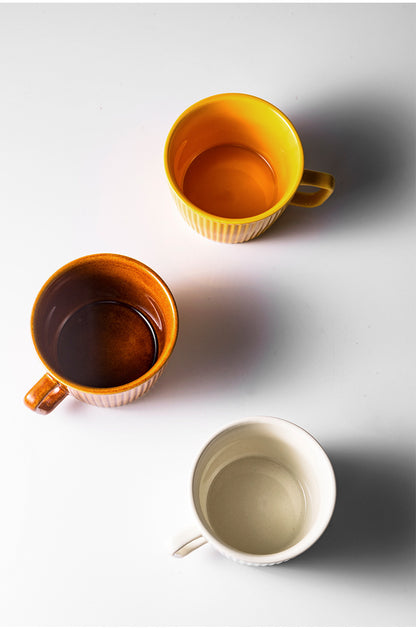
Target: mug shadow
[368, 145]
[233, 338]
[223, 333]
[373, 527]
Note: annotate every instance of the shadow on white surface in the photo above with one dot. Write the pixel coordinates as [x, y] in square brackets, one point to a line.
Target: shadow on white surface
[373, 527]
[223, 335]
[367, 143]
[235, 337]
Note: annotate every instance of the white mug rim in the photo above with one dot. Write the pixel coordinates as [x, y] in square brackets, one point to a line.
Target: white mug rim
[303, 544]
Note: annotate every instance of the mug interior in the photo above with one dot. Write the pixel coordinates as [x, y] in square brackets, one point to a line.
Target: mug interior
[263, 488]
[104, 321]
[237, 128]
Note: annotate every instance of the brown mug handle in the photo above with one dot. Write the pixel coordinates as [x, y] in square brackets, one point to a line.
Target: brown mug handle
[45, 395]
[322, 180]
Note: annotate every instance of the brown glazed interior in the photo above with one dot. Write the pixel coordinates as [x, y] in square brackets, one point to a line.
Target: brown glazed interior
[105, 278]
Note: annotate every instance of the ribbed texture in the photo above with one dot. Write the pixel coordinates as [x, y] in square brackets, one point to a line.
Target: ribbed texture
[116, 399]
[224, 232]
[250, 564]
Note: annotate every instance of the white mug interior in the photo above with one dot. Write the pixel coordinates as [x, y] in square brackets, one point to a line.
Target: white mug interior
[263, 490]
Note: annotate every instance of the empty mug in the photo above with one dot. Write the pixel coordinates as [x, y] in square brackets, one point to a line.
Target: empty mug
[104, 327]
[262, 491]
[234, 162]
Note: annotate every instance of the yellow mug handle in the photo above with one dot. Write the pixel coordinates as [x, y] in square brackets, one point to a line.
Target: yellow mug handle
[322, 180]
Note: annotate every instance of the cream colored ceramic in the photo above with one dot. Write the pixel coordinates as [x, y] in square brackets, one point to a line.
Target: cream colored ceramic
[263, 491]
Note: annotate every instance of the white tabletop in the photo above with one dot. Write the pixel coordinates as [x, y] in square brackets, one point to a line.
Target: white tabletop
[312, 322]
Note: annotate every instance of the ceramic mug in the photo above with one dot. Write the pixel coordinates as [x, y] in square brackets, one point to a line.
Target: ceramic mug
[234, 162]
[262, 490]
[104, 326]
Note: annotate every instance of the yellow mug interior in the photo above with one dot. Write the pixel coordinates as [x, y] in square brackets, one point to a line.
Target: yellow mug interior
[236, 120]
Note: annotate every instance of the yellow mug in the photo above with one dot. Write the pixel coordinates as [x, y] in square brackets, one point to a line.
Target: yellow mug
[234, 162]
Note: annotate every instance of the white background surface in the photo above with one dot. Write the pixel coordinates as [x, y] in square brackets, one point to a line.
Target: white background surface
[312, 322]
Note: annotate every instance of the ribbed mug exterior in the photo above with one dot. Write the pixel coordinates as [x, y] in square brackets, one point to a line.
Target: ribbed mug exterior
[228, 232]
[112, 400]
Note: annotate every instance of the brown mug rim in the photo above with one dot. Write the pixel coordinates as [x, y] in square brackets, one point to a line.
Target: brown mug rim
[167, 349]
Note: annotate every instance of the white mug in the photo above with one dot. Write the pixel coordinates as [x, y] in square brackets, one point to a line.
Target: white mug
[263, 491]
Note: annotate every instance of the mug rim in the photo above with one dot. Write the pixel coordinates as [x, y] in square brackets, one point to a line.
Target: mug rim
[162, 359]
[281, 203]
[303, 544]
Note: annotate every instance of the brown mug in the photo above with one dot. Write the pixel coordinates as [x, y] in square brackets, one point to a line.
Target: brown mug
[104, 326]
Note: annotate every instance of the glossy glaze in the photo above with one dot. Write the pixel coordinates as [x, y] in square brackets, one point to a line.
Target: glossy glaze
[238, 120]
[263, 491]
[125, 345]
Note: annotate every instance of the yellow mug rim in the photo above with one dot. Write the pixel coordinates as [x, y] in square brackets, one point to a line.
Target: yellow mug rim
[220, 219]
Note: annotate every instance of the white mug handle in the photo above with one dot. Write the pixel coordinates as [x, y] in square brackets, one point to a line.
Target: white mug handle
[187, 542]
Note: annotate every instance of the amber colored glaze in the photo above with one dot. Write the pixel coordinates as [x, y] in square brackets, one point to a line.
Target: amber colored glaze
[46, 394]
[234, 162]
[94, 334]
[233, 181]
[104, 326]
